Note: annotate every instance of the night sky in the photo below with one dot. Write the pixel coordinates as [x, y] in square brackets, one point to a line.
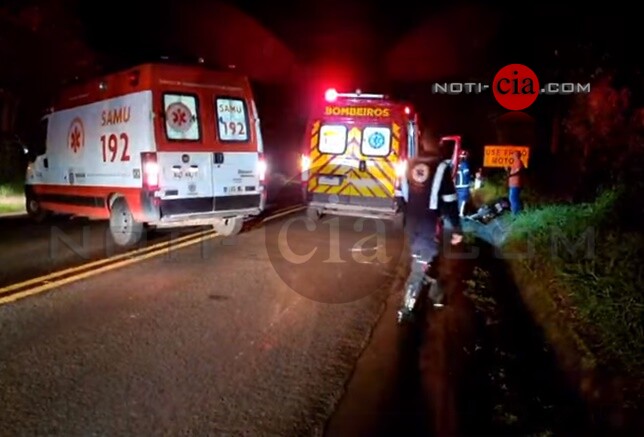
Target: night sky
[294, 50]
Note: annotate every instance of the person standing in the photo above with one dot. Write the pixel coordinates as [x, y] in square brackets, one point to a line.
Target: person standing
[463, 182]
[515, 182]
[431, 195]
[478, 179]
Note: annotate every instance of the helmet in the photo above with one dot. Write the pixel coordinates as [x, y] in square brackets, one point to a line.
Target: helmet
[464, 154]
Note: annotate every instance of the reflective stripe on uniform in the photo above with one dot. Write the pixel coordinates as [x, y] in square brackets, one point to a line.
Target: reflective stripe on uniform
[449, 198]
[436, 185]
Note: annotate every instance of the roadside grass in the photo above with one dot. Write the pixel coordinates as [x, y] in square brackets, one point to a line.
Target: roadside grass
[11, 197]
[585, 253]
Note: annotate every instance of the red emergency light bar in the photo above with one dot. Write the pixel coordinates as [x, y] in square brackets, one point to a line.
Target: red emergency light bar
[331, 95]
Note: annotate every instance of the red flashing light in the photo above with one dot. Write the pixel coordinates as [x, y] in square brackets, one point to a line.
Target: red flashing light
[407, 110]
[331, 95]
[151, 171]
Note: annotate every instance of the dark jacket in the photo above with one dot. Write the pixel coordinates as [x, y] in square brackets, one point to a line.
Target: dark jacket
[431, 192]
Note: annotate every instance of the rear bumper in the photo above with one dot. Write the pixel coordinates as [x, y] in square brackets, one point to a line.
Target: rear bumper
[355, 206]
[201, 210]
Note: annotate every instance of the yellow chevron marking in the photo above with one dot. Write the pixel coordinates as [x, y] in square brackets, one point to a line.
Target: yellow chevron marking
[314, 141]
[396, 129]
[355, 135]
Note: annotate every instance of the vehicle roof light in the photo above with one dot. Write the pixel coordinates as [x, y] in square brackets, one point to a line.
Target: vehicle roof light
[331, 95]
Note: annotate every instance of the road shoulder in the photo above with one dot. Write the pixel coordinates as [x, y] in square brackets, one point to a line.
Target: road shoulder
[371, 404]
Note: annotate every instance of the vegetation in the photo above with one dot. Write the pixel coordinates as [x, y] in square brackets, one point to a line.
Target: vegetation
[11, 197]
[585, 255]
[582, 222]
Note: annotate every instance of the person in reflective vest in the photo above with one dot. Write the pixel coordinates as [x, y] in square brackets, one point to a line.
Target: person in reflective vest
[463, 182]
[430, 194]
[515, 182]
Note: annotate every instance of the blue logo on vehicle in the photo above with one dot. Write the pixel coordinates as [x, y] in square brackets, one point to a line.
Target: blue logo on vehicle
[376, 140]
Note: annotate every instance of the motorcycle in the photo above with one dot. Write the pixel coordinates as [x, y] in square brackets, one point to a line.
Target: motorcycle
[490, 211]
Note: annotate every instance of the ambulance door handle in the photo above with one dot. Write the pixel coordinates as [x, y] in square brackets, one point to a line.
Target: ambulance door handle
[219, 158]
[363, 165]
[46, 163]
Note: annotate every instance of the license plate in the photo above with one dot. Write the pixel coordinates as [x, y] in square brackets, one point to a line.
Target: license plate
[329, 180]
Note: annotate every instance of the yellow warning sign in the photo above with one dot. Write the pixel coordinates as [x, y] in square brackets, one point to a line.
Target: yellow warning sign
[502, 156]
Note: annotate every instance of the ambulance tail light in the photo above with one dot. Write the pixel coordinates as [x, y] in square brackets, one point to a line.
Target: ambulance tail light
[401, 171]
[262, 168]
[305, 166]
[151, 173]
[401, 168]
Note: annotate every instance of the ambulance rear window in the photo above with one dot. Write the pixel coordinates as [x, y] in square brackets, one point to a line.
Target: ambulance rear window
[232, 119]
[333, 139]
[181, 117]
[376, 141]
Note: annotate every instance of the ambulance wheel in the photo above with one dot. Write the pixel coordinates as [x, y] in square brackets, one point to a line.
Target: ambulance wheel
[35, 211]
[124, 229]
[229, 226]
[313, 213]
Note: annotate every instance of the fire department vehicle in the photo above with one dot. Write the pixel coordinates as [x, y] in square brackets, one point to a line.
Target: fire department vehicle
[157, 145]
[355, 156]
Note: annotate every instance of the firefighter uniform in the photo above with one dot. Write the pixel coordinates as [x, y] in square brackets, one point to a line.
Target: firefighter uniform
[463, 185]
[430, 194]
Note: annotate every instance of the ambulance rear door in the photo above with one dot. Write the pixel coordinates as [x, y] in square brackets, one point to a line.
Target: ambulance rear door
[238, 170]
[185, 162]
[331, 162]
[375, 149]
[208, 153]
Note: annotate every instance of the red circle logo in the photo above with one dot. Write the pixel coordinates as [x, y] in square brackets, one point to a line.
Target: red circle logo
[76, 135]
[515, 87]
[179, 117]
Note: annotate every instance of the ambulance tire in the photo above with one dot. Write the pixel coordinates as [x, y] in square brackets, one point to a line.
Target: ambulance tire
[35, 211]
[125, 231]
[229, 227]
[313, 213]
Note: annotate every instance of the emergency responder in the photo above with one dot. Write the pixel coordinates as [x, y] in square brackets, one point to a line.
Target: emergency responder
[431, 192]
[463, 182]
[515, 182]
[478, 179]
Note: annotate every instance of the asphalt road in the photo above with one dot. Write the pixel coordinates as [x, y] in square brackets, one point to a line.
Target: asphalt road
[28, 250]
[225, 337]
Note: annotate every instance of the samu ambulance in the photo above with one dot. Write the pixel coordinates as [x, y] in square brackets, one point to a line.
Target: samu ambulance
[156, 145]
[355, 156]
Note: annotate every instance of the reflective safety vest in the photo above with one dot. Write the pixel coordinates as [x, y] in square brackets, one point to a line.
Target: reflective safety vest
[428, 184]
[463, 175]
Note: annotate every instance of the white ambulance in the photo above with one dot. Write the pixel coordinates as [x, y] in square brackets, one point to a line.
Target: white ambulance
[157, 145]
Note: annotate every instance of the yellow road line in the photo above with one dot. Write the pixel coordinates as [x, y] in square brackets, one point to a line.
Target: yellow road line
[112, 263]
[96, 263]
[283, 213]
[89, 273]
